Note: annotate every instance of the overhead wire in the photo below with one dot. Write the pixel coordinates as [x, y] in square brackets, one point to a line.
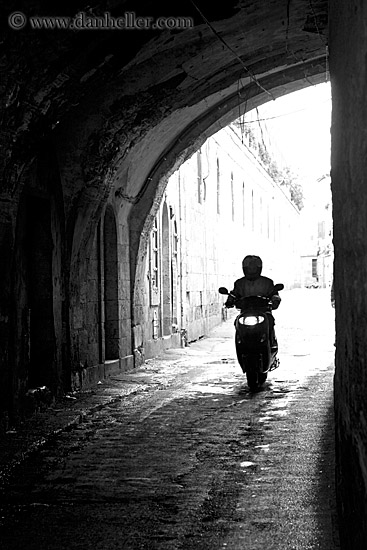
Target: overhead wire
[316, 24]
[287, 49]
[323, 40]
[283, 114]
[249, 72]
[219, 37]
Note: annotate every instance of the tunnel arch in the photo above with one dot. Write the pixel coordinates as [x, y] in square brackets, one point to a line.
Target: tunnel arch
[182, 147]
[102, 97]
[125, 110]
[123, 119]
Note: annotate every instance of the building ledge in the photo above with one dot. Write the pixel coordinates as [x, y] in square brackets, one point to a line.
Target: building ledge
[89, 376]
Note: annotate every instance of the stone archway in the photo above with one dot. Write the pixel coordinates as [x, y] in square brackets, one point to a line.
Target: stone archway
[125, 110]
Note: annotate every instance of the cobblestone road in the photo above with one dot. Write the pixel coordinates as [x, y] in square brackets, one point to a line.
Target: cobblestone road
[181, 456]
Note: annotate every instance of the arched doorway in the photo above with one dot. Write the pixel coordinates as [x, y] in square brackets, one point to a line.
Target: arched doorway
[111, 303]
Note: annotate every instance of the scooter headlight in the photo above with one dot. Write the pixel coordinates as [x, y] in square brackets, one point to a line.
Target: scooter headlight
[251, 320]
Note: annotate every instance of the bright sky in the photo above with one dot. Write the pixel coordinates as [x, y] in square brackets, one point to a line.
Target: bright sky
[301, 129]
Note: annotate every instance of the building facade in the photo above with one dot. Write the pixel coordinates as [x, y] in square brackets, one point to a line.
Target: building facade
[317, 254]
[218, 207]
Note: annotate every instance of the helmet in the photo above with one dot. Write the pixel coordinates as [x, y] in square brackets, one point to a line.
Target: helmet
[252, 267]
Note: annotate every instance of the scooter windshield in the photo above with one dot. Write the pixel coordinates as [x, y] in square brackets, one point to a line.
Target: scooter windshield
[253, 302]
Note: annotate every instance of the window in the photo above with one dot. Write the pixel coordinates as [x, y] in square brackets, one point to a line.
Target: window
[321, 230]
[261, 215]
[155, 255]
[232, 195]
[243, 203]
[218, 187]
[174, 276]
[155, 326]
[199, 176]
[175, 240]
[314, 267]
[154, 265]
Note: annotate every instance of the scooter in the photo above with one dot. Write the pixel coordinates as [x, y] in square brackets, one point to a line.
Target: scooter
[256, 344]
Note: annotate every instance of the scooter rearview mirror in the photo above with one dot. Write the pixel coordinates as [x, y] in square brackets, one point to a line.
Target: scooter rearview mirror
[223, 290]
[280, 286]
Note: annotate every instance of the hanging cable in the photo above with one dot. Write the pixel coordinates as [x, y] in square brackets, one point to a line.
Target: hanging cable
[323, 40]
[241, 117]
[251, 75]
[284, 114]
[291, 52]
[326, 63]
[316, 24]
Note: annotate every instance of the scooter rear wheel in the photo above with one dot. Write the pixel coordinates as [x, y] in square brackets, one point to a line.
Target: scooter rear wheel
[255, 379]
[262, 377]
[252, 380]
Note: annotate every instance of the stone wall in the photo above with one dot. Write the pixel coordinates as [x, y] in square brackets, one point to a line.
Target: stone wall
[348, 49]
[101, 317]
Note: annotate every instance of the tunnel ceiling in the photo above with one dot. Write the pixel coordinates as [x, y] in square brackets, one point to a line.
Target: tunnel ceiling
[122, 105]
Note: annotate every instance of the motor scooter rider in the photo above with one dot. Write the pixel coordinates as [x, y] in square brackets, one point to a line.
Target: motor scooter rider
[254, 284]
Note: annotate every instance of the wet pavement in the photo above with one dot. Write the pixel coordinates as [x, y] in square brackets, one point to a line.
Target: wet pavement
[179, 454]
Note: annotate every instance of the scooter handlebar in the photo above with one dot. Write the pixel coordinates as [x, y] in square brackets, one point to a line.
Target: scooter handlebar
[275, 289]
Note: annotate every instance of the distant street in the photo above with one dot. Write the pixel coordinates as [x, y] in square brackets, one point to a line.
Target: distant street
[189, 458]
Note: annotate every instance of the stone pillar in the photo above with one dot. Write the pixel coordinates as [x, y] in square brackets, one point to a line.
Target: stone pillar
[348, 67]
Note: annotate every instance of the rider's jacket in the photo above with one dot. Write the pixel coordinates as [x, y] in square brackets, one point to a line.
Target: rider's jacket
[262, 286]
